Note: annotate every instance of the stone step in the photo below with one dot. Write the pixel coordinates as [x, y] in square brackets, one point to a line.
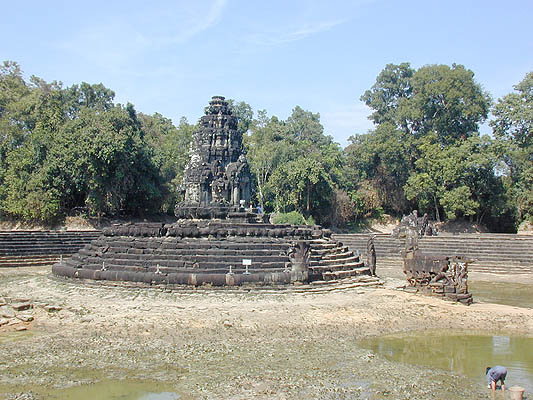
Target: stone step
[337, 256]
[489, 249]
[332, 249]
[326, 262]
[7, 262]
[202, 267]
[344, 274]
[440, 238]
[40, 251]
[336, 267]
[134, 253]
[142, 259]
[323, 246]
[29, 246]
[464, 249]
[115, 252]
[497, 268]
[200, 244]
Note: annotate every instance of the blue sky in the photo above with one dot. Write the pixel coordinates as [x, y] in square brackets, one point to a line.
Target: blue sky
[172, 56]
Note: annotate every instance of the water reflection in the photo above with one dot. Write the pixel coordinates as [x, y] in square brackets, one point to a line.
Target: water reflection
[511, 294]
[461, 353]
[114, 390]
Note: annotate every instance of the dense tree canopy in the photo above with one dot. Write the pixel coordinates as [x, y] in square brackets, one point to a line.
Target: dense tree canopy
[63, 150]
[296, 166]
[425, 151]
[513, 129]
[169, 147]
[72, 148]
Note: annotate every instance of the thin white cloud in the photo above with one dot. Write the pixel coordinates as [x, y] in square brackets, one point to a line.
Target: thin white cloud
[307, 19]
[118, 44]
[292, 35]
[198, 24]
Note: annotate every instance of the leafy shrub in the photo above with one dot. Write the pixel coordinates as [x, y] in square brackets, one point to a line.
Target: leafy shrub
[292, 218]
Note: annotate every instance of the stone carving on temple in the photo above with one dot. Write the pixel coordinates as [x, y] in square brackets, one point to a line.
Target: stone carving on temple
[422, 226]
[217, 178]
[434, 274]
[216, 231]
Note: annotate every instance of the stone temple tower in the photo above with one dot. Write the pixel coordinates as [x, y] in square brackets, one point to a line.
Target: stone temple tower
[216, 180]
[218, 240]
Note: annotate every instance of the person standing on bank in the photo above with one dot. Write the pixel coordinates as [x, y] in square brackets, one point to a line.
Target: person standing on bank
[495, 374]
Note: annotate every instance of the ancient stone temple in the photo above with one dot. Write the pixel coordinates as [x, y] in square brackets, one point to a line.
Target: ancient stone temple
[217, 178]
[443, 276]
[218, 239]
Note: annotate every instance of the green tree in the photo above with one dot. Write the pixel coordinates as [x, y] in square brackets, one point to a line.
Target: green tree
[305, 127]
[106, 162]
[378, 166]
[268, 147]
[95, 96]
[244, 114]
[513, 128]
[459, 179]
[31, 115]
[296, 166]
[13, 89]
[424, 121]
[393, 86]
[301, 185]
[170, 153]
[65, 148]
[445, 100]
[513, 115]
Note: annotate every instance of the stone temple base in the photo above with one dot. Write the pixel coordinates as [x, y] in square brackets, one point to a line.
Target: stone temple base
[212, 253]
[233, 214]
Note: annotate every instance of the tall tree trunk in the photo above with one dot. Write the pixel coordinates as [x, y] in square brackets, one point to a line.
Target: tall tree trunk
[261, 197]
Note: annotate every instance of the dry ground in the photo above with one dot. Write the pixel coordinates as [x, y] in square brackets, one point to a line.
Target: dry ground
[232, 344]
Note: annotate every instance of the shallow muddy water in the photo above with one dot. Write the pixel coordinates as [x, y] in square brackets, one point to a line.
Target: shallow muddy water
[461, 353]
[512, 294]
[110, 390]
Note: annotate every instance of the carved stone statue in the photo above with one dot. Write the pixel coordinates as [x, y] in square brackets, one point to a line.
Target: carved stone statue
[299, 255]
[413, 223]
[371, 255]
[217, 175]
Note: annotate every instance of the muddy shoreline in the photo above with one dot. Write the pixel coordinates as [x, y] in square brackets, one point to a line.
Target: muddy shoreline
[232, 344]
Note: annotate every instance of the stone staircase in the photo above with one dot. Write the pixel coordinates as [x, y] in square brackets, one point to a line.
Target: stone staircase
[333, 261]
[167, 255]
[213, 253]
[493, 253]
[35, 248]
[329, 261]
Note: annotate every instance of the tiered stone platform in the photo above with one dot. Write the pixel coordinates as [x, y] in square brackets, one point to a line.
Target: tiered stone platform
[493, 253]
[212, 253]
[331, 260]
[33, 248]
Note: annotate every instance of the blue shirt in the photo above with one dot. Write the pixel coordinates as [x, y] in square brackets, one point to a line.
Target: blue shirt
[497, 373]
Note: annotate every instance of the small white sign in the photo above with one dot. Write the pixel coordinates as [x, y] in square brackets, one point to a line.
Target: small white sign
[246, 262]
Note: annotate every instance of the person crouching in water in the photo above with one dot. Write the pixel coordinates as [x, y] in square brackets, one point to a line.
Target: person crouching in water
[495, 374]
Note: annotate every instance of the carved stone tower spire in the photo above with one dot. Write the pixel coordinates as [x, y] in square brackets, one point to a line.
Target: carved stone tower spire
[217, 178]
